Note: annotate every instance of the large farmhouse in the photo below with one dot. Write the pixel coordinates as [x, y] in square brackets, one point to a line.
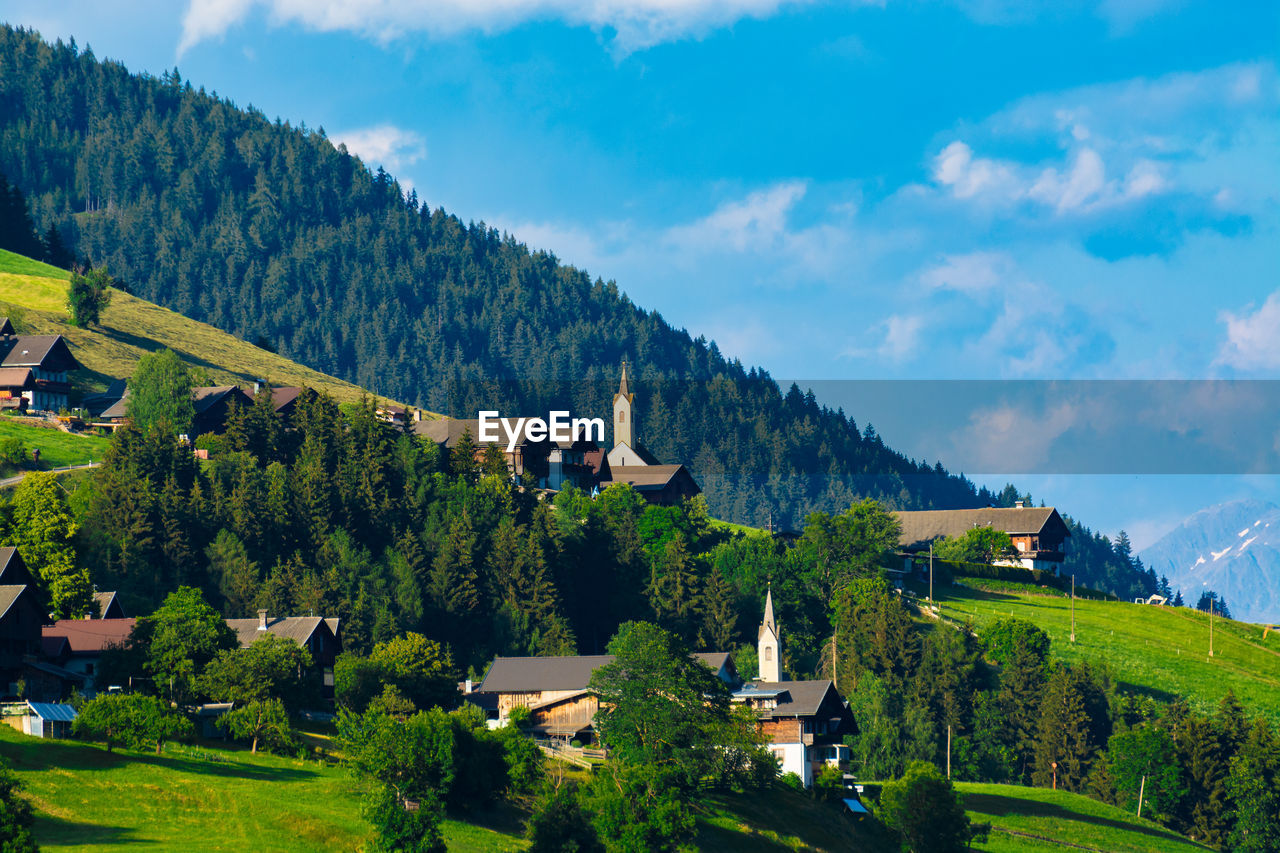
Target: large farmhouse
[34, 368]
[555, 691]
[1039, 534]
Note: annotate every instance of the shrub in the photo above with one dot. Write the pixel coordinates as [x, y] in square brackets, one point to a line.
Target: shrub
[13, 452]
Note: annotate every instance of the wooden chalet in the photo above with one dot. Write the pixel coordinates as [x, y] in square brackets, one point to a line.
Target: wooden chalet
[212, 408]
[47, 358]
[320, 636]
[1039, 534]
[556, 692]
[21, 617]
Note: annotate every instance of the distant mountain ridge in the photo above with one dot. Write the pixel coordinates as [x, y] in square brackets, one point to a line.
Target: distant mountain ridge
[1232, 548]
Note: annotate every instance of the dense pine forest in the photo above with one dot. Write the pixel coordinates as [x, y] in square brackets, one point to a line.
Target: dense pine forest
[268, 231]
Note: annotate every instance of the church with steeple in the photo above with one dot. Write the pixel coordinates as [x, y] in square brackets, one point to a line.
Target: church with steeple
[804, 722]
[628, 461]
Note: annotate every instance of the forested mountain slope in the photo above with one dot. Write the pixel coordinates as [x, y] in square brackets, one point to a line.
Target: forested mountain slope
[267, 231]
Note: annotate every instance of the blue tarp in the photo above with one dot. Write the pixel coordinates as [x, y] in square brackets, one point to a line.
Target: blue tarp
[53, 711]
[856, 807]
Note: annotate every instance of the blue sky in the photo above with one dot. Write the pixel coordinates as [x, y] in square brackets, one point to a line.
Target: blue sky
[834, 190]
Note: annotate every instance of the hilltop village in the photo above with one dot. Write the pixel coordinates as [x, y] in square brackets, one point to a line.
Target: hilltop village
[252, 597]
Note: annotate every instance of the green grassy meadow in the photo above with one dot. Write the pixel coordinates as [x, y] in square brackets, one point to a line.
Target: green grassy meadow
[35, 295]
[57, 448]
[1038, 818]
[1159, 651]
[201, 799]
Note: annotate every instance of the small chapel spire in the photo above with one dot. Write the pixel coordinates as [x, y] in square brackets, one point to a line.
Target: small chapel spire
[769, 646]
[624, 419]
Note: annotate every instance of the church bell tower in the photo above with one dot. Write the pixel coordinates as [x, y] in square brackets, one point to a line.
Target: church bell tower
[624, 413]
[768, 646]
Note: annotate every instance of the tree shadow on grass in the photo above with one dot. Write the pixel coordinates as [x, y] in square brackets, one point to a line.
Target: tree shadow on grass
[36, 754]
[152, 345]
[51, 830]
[1143, 690]
[1001, 806]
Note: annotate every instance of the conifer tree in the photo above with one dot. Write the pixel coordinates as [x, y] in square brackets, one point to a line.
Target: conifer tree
[1074, 727]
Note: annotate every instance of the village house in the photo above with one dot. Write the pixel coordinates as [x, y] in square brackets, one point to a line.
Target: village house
[212, 408]
[77, 646]
[555, 691]
[1039, 534]
[34, 369]
[805, 722]
[320, 636]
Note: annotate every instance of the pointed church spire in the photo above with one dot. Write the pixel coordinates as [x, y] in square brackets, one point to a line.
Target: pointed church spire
[768, 644]
[768, 610]
[624, 387]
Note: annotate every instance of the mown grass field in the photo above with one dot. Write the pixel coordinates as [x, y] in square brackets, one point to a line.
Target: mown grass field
[1160, 651]
[1039, 819]
[57, 448]
[35, 295]
[89, 800]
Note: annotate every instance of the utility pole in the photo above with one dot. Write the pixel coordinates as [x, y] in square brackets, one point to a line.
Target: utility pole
[1073, 607]
[1142, 789]
[931, 572]
[1054, 765]
[1211, 627]
[948, 751]
[834, 676]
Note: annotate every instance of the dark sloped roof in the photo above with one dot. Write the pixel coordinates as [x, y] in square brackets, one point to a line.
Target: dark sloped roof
[12, 568]
[10, 593]
[47, 351]
[922, 527]
[296, 628]
[795, 698]
[118, 409]
[285, 396]
[6, 328]
[206, 397]
[104, 600]
[644, 477]
[89, 636]
[569, 672]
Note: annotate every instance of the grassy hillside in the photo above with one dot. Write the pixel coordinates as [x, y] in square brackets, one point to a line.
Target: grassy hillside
[57, 448]
[207, 799]
[1161, 651]
[1040, 819]
[187, 800]
[35, 294]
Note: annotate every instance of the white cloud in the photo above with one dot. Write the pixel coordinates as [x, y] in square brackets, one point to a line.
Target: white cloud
[969, 177]
[901, 336]
[635, 24]
[384, 145]
[971, 273]
[755, 223]
[1253, 340]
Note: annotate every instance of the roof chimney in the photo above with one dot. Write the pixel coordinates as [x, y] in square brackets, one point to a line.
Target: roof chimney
[262, 620]
[257, 386]
[417, 415]
[1017, 504]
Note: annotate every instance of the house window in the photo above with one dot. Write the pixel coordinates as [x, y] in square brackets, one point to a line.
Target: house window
[768, 653]
[808, 727]
[622, 417]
